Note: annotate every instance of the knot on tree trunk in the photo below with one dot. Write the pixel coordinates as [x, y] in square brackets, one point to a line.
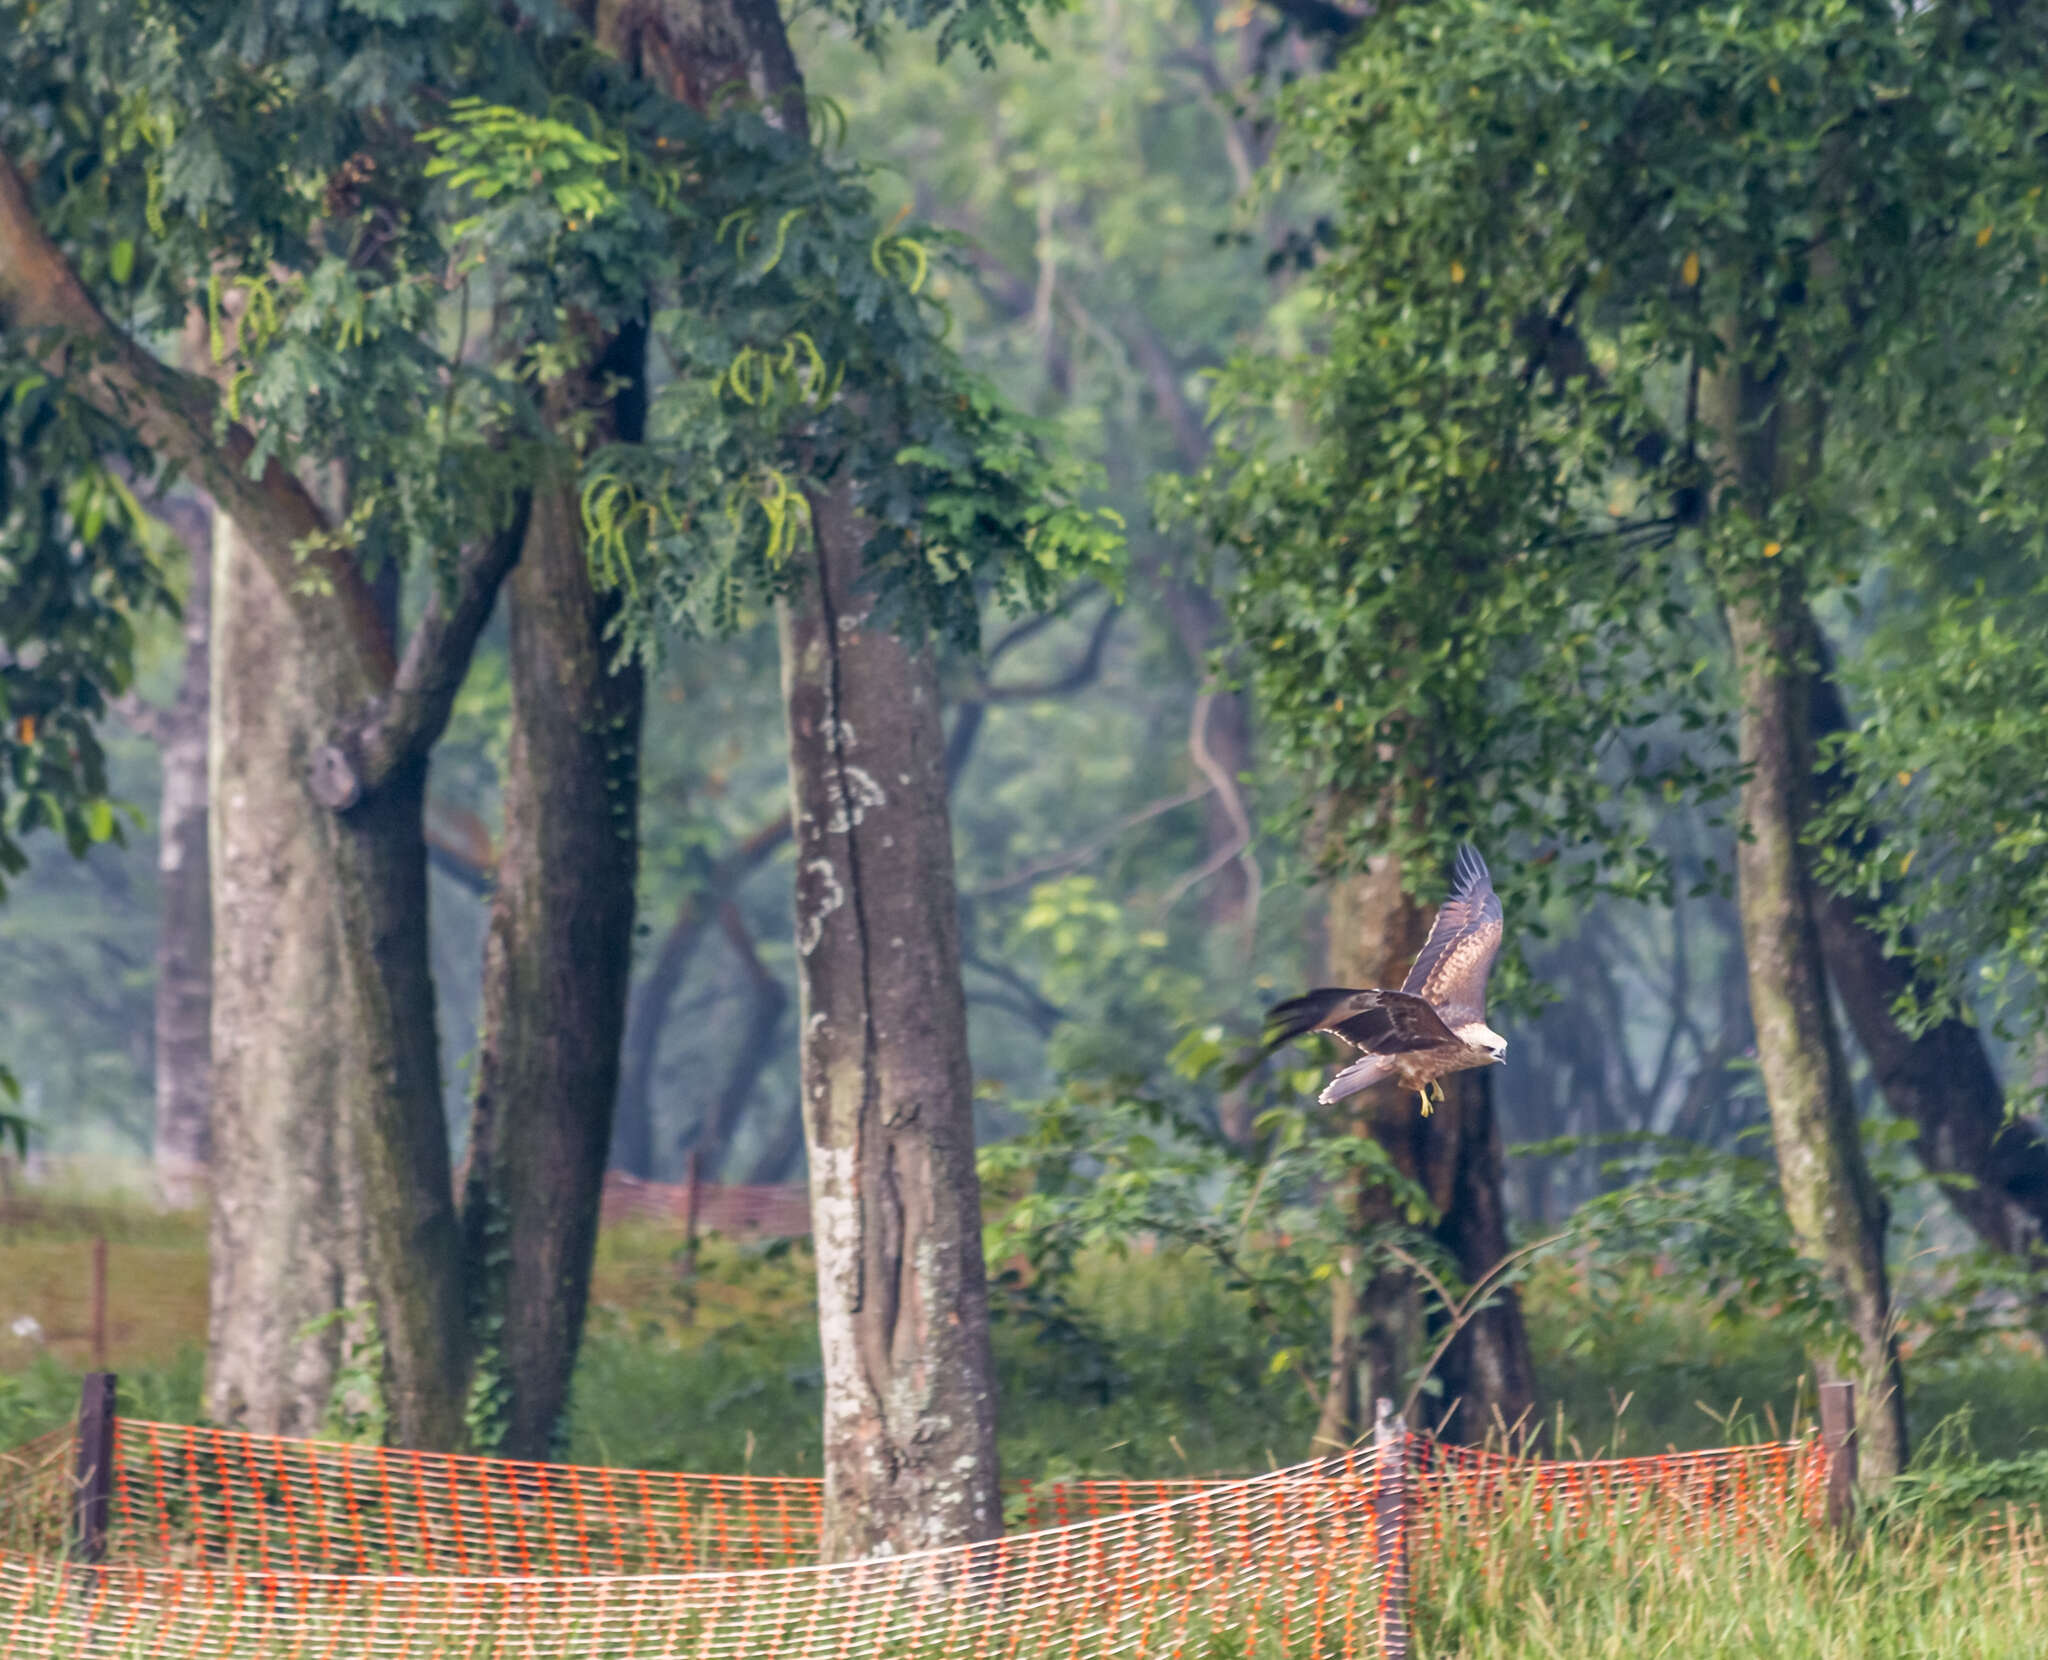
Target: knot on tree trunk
[335, 777]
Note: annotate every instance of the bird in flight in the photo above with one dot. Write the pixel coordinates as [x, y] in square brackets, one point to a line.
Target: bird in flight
[1436, 1023]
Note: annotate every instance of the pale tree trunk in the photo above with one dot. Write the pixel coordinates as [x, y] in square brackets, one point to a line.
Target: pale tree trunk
[909, 1378]
[1380, 1330]
[556, 962]
[1836, 1211]
[283, 1250]
[331, 1182]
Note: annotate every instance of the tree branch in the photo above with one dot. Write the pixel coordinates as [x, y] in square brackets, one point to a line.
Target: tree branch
[1030, 1004]
[1081, 674]
[1088, 849]
[1320, 18]
[651, 1003]
[174, 414]
[1240, 846]
[410, 719]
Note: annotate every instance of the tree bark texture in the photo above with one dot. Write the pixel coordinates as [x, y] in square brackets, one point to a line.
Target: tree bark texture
[557, 958]
[1378, 1328]
[1941, 1082]
[283, 1245]
[909, 1378]
[1837, 1213]
[184, 950]
[331, 1180]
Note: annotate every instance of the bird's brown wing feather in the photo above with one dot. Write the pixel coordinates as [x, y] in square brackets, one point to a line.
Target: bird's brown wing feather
[1388, 1023]
[1451, 972]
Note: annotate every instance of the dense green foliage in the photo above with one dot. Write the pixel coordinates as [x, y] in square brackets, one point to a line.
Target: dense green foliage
[1474, 527]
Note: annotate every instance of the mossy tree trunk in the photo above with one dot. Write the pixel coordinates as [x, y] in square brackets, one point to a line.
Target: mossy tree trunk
[910, 1397]
[557, 960]
[1837, 1214]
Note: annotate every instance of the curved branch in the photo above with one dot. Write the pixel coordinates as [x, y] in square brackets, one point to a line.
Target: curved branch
[175, 415]
[410, 718]
[1081, 674]
[1239, 848]
[1088, 849]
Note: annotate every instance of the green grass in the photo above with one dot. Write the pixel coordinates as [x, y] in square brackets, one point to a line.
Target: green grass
[737, 1388]
[1640, 1369]
[1891, 1592]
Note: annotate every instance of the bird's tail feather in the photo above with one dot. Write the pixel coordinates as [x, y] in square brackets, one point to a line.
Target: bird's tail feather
[1362, 1073]
[1288, 1020]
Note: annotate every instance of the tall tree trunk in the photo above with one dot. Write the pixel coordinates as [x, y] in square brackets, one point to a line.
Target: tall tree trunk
[1378, 1327]
[910, 1458]
[331, 1185]
[1941, 1082]
[888, 1096]
[284, 1251]
[647, 1009]
[633, 1130]
[556, 962]
[1488, 1372]
[1837, 1214]
[184, 949]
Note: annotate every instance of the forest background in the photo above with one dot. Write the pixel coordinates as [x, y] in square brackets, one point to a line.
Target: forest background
[1183, 787]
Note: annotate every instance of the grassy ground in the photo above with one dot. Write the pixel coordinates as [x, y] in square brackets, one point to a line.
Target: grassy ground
[723, 1375]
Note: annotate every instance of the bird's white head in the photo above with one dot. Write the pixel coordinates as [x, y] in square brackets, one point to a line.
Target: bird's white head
[1482, 1036]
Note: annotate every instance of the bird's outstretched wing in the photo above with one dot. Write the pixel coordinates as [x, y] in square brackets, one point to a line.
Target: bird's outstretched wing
[1379, 1022]
[1458, 955]
[1302, 1014]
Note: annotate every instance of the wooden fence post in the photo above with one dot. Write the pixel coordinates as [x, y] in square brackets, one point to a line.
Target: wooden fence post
[95, 1467]
[99, 1302]
[1390, 1527]
[1838, 1436]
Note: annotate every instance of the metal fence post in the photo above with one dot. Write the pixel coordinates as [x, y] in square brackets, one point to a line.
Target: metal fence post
[1838, 1436]
[1390, 1527]
[95, 1467]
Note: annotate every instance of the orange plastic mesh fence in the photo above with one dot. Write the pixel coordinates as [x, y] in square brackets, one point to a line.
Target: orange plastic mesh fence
[1730, 1493]
[1283, 1563]
[186, 1497]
